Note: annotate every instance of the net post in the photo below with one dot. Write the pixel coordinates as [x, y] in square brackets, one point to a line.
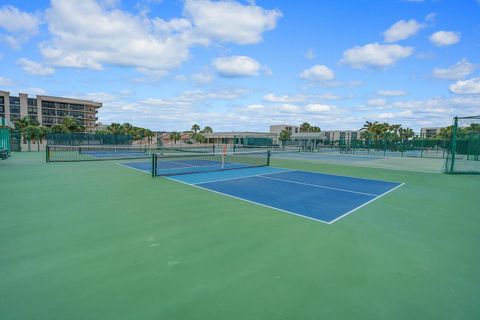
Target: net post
[213, 148]
[154, 165]
[269, 153]
[47, 153]
[454, 143]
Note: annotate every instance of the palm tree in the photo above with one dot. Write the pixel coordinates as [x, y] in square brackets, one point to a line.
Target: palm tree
[315, 129]
[195, 128]
[305, 127]
[175, 136]
[72, 125]
[207, 129]
[284, 136]
[115, 128]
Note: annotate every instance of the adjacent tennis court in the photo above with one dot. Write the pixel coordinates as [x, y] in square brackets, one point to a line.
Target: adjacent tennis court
[321, 197]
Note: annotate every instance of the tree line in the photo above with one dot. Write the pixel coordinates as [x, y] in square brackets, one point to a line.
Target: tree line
[196, 134]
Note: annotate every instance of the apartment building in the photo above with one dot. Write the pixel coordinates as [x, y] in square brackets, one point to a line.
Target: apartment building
[430, 132]
[48, 110]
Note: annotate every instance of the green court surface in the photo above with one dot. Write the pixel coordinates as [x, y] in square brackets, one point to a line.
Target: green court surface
[96, 240]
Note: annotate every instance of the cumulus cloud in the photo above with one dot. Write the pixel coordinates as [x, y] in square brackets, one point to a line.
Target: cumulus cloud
[445, 38]
[236, 66]
[86, 34]
[471, 86]
[230, 20]
[18, 25]
[318, 73]
[459, 70]
[402, 30]
[35, 68]
[391, 93]
[375, 55]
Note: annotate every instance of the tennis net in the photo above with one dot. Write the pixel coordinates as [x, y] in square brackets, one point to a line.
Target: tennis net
[57, 153]
[185, 163]
[189, 149]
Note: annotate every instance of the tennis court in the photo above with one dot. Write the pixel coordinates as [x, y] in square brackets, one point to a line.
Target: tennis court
[94, 239]
[321, 197]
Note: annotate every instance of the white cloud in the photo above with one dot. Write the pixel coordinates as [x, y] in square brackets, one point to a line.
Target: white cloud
[201, 78]
[318, 73]
[391, 93]
[254, 107]
[19, 25]
[375, 55]
[471, 86]
[317, 107]
[86, 34]
[284, 98]
[35, 68]
[402, 30]
[459, 70]
[310, 54]
[6, 81]
[377, 102]
[236, 66]
[288, 107]
[445, 38]
[16, 21]
[230, 20]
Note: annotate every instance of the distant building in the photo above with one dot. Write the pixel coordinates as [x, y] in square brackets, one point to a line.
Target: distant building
[342, 135]
[280, 127]
[430, 132]
[244, 138]
[48, 110]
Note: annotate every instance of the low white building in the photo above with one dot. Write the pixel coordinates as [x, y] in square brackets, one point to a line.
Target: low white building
[280, 127]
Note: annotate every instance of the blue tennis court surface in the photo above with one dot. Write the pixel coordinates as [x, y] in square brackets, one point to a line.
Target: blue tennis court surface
[321, 197]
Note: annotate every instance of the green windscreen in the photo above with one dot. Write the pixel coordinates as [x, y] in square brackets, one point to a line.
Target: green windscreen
[464, 152]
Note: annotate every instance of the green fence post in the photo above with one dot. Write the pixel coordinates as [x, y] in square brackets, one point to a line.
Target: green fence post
[454, 143]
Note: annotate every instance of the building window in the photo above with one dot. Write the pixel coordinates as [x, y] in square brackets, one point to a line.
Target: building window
[14, 109]
[61, 105]
[32, 110]
[75, 114]
[48, 112]
[14, 100]
[34, 118]
[48, 104]
[32, 102]
[48, 120]
[2, 109]
[2, 100]
[14, 117]
[62, 113]
[74, 106]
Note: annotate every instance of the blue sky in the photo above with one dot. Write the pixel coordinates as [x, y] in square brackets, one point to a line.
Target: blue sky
[244, 65]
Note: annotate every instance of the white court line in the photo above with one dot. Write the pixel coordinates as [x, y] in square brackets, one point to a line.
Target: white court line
[337, 175]
[243, 177]
[346, 214]
[320, 186]
[242, 199]
[130, 167]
